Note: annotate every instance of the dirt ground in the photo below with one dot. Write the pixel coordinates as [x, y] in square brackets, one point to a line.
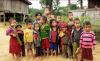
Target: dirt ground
[5, 56]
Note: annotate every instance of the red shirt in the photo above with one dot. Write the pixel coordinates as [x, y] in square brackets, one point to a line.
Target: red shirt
[53, 36]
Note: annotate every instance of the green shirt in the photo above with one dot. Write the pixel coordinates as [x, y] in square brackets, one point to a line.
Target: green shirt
[44, 31]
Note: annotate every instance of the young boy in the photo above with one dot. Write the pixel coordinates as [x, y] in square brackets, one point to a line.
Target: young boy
[76, 33]
[87, 42]
[37, 16]
[28, 37]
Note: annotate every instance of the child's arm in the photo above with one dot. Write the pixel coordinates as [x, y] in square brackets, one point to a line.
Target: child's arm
[25, 40]
[94, 41]
[81, 40]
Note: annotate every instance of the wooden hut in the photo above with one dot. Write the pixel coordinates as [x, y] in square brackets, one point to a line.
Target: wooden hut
[14, 8]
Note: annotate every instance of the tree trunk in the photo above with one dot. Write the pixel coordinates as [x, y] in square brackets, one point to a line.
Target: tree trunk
[81, 4]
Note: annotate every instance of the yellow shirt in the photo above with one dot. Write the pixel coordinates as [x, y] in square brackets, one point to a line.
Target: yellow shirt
[28, 35]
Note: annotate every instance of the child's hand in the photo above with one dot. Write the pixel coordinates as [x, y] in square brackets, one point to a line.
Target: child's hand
[93, 48]
[13, 34]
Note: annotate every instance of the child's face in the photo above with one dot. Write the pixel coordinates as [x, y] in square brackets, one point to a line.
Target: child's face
[53, 16]
[13, 22]
[29, 25]
[70, 15]
[36, 27]
[87, 28]
[39, 16]
[54, 23]
[76, 21]
[42, 21]
[64, 29]
[19, 28]
[58, 18]
[77, 25]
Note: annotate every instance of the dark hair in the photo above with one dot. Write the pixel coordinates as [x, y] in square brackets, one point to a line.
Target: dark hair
[44, 18]
[76, 19]
[28, 22]
[69, 13]
[52, 21]
[18, 26]
[86, 23]
[38, 13]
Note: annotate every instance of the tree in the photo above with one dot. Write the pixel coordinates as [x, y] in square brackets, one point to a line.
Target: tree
[73, 7]
[46, 3]
[81, 3]
[49, 5]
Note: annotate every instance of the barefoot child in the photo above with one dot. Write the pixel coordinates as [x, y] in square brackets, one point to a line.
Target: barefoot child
[53, 36]
[76, 33]
[37, 39]
[21, 37]
[14, 47]
[28, 38]
[64, 39]
[44, 33]
[87, 42]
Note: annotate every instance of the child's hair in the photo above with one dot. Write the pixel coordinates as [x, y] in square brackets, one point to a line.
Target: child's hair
[28, 22]
[38, 13]
[18, 26]
[52, 21]
[11, 19]
[86, 23]
[35, 24]
[44, 18]
[77, 19]
[69, 13]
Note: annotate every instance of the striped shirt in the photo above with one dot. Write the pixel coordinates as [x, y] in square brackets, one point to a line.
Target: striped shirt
[87, 39]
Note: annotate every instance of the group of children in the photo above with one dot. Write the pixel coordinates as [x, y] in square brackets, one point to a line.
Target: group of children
[49, 36]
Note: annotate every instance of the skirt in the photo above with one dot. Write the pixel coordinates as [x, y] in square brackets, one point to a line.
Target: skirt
[45, 43]
[15, 47]
[87, 53]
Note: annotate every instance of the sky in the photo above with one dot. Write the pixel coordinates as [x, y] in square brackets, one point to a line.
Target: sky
[37, 5]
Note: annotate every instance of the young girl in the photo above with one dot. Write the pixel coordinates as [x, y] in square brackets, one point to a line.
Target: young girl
[37, 39]
[53, 36]
[87, 42]
[44, 33]
[76, 33]
[14, 48]
[64, 39]
[21, 37]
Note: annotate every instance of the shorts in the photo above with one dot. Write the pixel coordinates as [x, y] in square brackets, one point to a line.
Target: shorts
[45, 43]
[53, 46]
[29, 45]
[75, 46]
[87, 53]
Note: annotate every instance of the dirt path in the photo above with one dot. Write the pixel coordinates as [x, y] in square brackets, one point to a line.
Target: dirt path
[5, 56]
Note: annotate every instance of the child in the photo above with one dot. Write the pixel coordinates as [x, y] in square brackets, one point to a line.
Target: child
[14, 47]
[44, 33]
[21, 36]
[28, 38]
[87, 42]
[58, 18]
[37, 39]
[53, 36]
[64, 39]
[37, 16]
[70, 26]
[76, 33]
